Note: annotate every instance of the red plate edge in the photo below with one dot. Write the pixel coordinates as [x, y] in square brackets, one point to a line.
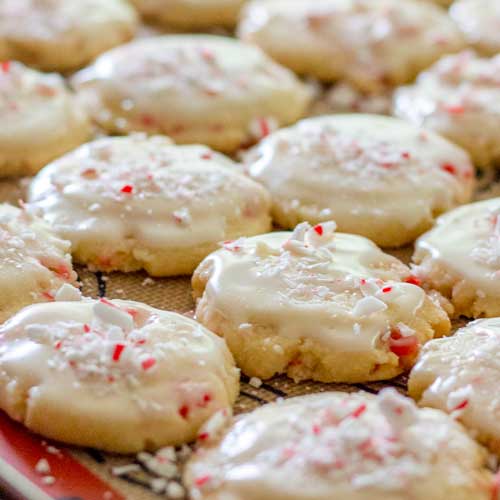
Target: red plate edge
[19, 453]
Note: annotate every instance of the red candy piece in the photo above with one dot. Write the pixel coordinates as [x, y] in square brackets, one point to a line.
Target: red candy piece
[148, 363]
[119, 348]
[184, 411]
[319, 229]
[413, 280]
[402, 346]
[448, 167]
[127, 189]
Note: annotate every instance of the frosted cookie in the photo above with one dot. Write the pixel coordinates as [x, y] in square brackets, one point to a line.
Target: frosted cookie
[142, 203]
[459, 98]
[369, 44]
[460, 257]
[115, 375]
[376, 176]
[194, 88]
[315, 304]
[460, 375]
[480, 21]
[190, 14]
[61, 35]
[34, 263]
[44, 120]
[336, 445]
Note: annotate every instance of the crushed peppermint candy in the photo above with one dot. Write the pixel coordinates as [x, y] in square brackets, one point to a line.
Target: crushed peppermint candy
[68, 293]
[367, 306]
[255, 382]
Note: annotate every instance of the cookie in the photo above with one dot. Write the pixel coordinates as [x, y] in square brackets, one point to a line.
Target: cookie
[372, 45]
[194, 88]
[479, 20]
[315, 304]
[44, 120]
[62, 35]
[460, 374]
[115, 375]
[460, 257]
[375, 176]
[336, 445]
[130, 203]
[190, 14]
[34, 262]
[459, 98]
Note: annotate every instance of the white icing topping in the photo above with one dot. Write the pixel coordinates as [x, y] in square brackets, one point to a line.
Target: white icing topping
[479, 20]
[458, 97]
[460, 375]
[61, 34]
[148, 192]
[68, 293]
[352, 167]
[41, 112]
[120, 350]
[465, 243]
[186, 86]
[370, 44]
[316, 284]
[338, 445]
[33, 262]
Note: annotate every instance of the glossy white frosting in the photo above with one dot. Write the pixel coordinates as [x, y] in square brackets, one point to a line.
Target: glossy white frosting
[44, 120]
[458, 97]
[350, 167]
[460, 375]
[194, 88]
[61, 34]
[34, 262]
[113, 361]
[337, 289]
[464, 244]
[479, 20]
[370, 44]
[145, 190]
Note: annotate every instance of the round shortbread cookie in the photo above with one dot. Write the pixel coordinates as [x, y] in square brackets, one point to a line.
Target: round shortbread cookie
[34, 263]
[115, 375]
[369, 44]
[336, 445]
[460, 257]
[190, 14]
[375, 176]
[480, 22]
[315, 305]
[136, 202]
[460, 375]
[194, 88]
[61, 35]
[44, 120]
[459, 98]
